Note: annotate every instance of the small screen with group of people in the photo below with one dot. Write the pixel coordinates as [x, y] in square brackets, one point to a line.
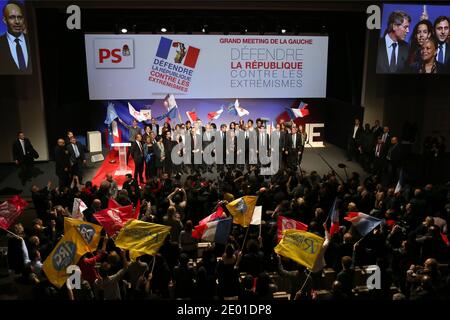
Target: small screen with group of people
[414, 39]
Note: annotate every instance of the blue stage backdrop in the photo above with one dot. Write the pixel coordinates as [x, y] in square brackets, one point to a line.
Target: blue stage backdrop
[257, 108]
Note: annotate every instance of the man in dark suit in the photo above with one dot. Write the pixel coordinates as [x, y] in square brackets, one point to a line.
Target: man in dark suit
[394, 159]
[77, 158]
[24, 155]
[262, 139]
[293, 148]
[377, 130]
[62, 164]
[354, 141]
[441, 29]
[137, 152]
[15, 57]
[392, 49]
[154, 126]
[222, 136]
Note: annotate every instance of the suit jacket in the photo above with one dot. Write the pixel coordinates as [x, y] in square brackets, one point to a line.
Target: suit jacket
[136, 152]
[358, 134]
[156, 128]
[62, 159]
[383, 59]
[266, 141]
[8, 65]
[377, 132]
[447, 54]
[72, 157]
[30, 153]
[289, 144]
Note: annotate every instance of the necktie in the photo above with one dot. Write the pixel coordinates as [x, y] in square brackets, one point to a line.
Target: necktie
[75, 149]
[393, 64]
[22, 143]
[20, 57]
[441, 53]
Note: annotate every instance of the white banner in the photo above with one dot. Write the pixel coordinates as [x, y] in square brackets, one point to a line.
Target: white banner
[124, 67]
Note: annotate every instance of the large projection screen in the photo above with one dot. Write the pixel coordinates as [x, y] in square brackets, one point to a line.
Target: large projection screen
[206, 66]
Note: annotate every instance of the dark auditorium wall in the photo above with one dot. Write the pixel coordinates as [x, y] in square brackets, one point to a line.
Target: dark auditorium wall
[21, 104]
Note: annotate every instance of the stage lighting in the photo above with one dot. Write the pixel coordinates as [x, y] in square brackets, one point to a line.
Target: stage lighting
[163, 29]
[283, 31]
[124, 30]
[205, 29]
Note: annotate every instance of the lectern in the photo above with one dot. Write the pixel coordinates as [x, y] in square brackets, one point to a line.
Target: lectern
[123, 168]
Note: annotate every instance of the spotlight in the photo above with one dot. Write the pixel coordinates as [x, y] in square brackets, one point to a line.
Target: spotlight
[205, 28]
[163, 29]
[124, 30]
[283, 31]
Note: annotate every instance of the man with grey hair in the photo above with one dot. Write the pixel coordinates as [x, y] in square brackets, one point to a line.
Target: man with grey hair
[392, 48]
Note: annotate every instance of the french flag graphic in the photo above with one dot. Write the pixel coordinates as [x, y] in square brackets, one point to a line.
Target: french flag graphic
[165, 45]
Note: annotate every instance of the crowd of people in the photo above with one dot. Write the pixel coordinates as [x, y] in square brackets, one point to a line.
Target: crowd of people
[427, 51]
[410, 246]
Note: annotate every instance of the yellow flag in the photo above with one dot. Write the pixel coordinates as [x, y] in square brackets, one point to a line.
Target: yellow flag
[242, 210]
[301, 246]
[88, 231]
[141, 237]
[67, 252]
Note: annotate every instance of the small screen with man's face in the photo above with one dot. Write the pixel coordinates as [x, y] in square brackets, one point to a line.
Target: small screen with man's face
[15, 50]
[414, 39]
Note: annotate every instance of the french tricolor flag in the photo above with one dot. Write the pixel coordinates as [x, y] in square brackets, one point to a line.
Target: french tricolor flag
[301, 112]
[165, 44]
[334, 217]
[216, 231]
[362, 222]
[215, 114]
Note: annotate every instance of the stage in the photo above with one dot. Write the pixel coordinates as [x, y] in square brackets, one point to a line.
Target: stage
[45, 171]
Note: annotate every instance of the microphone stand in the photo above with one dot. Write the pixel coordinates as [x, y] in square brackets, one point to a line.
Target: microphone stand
[326, 162]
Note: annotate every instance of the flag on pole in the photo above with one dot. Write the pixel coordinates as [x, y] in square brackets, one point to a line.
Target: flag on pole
[333, 215]
[214, 231]
[10, 210]
[240, 111]
[90, 232]
[66, 253]
[242, 210]
[137, 114]
[111, 114]
[170, 114]
[400, 183]
[284, 223]
[78, 207]
[141, 237]
[215, 114]
[300, 112]
[256, 217]
[199, 229]
[192, 116]
[362, 222]
[301, 246]
[113, 219]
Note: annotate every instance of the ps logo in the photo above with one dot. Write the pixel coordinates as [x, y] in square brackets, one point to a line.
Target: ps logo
[74, 20]
[374, 18]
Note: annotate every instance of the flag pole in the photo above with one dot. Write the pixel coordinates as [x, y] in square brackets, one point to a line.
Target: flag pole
[12, 233]
[153, 264]
[304, 283]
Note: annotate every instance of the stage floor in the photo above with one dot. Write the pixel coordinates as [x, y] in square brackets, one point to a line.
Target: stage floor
[10, 183]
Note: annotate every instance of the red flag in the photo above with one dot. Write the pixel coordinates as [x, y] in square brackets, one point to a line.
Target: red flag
[113, 219]
[286, 223]
[445, 239]
[112, 203]
[10, 210]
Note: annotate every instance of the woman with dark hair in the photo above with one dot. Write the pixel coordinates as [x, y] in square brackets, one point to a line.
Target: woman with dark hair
[232, 126]
[428, 63]
[422, 31]
[147, 133]
[148, 155]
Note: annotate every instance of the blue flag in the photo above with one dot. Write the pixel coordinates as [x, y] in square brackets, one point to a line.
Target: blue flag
[111, 114]
[171, 114]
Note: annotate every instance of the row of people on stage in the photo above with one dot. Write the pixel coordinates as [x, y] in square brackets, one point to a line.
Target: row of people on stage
[151, 151]
[427, 52]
